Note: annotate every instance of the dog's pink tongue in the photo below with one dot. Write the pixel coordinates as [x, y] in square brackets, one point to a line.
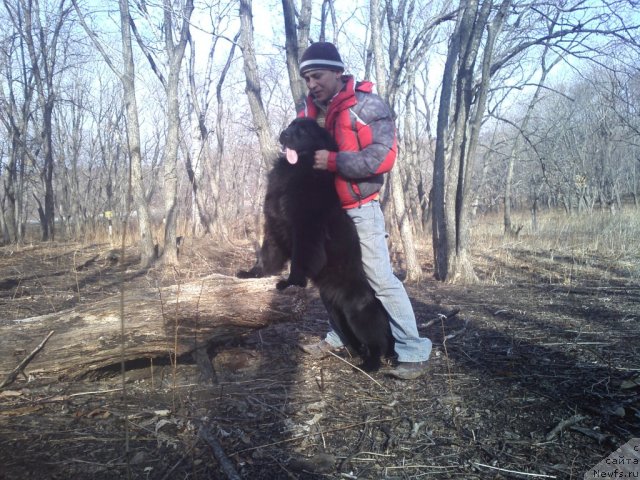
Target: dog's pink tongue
[292, 156]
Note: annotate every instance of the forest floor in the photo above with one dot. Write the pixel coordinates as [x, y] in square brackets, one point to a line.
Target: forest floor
[537, 375]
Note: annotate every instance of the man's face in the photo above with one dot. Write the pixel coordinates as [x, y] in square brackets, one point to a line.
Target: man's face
[323, 84]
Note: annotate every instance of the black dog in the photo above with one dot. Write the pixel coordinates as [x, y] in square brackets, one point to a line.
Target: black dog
[305, 223]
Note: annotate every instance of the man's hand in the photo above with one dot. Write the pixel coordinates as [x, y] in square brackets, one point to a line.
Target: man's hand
[321, 159]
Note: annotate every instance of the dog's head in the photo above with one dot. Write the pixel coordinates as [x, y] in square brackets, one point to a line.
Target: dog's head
[303, 137]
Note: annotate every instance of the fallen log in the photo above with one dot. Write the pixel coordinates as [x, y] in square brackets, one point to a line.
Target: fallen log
[158, 323]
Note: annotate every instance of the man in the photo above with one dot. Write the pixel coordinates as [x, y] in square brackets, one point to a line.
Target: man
[362, 125]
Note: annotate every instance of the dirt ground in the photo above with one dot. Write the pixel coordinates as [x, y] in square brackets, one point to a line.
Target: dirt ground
[537, 375]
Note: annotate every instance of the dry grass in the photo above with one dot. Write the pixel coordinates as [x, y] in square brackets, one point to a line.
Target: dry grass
[600, 245]
[601, 232]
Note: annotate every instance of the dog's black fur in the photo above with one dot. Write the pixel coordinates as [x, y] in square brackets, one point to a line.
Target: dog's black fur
[305, 223]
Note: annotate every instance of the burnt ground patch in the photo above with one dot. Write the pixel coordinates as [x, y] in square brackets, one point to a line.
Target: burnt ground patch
[526, 352]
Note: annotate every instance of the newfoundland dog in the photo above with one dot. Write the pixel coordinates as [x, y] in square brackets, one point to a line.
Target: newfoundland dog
[305, 223]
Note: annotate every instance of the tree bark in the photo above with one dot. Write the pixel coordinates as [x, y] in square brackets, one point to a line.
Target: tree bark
[147, 250]
[296, 40]
[253, 89]
[169, 321]
[175, 54]
[10, 181]
[414, 273]
[464, 101]
[376, 44]
[441, 239]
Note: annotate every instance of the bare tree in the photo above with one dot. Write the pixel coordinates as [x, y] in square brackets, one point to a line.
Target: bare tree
[522, 131]
[328, 11]
[111, 145]
[296, 40]
[15, 112]
[201, 219]
[42, 47]
[588, 160]
[456, 141]
[403, 54]
[175, 54]
[589, 156]
[253, 88]
[70, 138]
[127, 78]
[463, 99]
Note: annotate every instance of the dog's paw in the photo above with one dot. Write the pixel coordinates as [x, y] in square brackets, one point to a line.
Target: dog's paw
[282, 284]
[298, 282]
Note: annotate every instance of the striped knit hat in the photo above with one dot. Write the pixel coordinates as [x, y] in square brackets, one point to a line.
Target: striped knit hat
[321, 56]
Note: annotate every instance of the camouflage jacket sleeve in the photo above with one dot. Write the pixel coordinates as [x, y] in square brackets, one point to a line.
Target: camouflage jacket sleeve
[374, 150]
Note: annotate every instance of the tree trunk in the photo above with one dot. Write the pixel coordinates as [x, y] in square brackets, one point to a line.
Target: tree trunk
[217, 184]
[171, 321]
[16, 121]
[147, 250]
[175, 54]
[440, 230]
[397, 192]
[207, 171]
[376, 44]
[458, 141]
[42, 47]
[253, 89]
[296, 40]
[10, 181]
[49, 228]
[414, 273]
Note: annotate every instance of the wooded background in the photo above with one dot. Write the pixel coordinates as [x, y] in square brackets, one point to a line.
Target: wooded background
[166, 113]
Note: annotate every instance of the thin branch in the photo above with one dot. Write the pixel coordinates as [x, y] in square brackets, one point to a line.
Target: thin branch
[96, 42]
[14, 373]
[147, 53]
[225, 464]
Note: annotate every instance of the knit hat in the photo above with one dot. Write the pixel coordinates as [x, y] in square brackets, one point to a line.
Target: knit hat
[321, 56]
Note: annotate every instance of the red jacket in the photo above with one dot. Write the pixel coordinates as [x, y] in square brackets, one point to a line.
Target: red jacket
[363, 127]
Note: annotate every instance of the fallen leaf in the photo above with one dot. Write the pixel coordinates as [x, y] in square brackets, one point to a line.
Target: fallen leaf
[99, 413]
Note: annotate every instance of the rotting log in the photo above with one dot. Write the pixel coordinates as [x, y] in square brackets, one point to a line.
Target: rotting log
[158, 323]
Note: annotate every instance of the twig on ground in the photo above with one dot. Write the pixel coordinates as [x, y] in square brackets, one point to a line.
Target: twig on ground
[448, 316]
[360, 370]
[95, 392]
[14, 373]
[171, 470]
[299, 437]
[562, 425]
[218, 452]
[457, 332]
[601, 438]
[538, 475]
